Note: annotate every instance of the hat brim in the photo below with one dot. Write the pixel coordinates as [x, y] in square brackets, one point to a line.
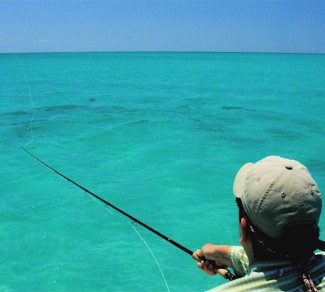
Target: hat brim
[239, 182]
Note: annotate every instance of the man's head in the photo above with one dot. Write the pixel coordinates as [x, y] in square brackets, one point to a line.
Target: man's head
[277, 193]
[279, 207]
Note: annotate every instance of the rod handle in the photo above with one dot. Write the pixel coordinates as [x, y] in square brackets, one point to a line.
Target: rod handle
[223, 271]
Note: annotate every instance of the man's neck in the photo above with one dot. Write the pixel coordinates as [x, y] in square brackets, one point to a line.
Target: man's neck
[249, 251]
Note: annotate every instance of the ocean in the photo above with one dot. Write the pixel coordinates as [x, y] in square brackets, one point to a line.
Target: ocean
[159, 135]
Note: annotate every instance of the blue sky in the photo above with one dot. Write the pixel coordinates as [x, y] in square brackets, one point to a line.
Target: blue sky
[163, 25]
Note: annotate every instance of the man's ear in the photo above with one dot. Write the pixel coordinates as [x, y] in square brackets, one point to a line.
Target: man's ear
[243, 231]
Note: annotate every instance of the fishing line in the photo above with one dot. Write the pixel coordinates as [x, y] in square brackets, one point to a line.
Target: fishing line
[29, 127]
[183, 248]
[224, 272]
[152, 254]
[30, 130]
[138, 233]
[133, 225]
[221, 270]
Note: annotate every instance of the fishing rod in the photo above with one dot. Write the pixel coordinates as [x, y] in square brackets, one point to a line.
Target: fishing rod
[220, 270]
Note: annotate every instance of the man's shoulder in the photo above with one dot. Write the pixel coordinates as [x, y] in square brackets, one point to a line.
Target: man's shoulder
[318, 262]
[319, 258]
[277, 276]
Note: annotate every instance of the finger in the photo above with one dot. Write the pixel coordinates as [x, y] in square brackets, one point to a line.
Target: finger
[207, 268]
[197, 255]
[210, 268]
[201, 265]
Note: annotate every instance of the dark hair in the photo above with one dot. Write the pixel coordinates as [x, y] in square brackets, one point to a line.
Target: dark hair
[297, 243]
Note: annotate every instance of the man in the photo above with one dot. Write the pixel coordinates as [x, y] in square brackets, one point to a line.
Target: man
[279, 209]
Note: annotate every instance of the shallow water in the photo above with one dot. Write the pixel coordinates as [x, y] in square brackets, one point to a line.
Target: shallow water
[160, 135]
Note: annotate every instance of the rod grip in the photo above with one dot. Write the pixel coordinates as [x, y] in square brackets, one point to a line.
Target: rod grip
[223, 271]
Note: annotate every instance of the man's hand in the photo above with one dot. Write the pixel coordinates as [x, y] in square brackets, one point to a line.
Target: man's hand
[211, 256]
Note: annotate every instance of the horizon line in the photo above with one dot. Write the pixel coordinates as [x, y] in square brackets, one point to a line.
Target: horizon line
[163, 51]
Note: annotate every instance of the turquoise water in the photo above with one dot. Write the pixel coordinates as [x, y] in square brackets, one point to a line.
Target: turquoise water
[160, 135]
